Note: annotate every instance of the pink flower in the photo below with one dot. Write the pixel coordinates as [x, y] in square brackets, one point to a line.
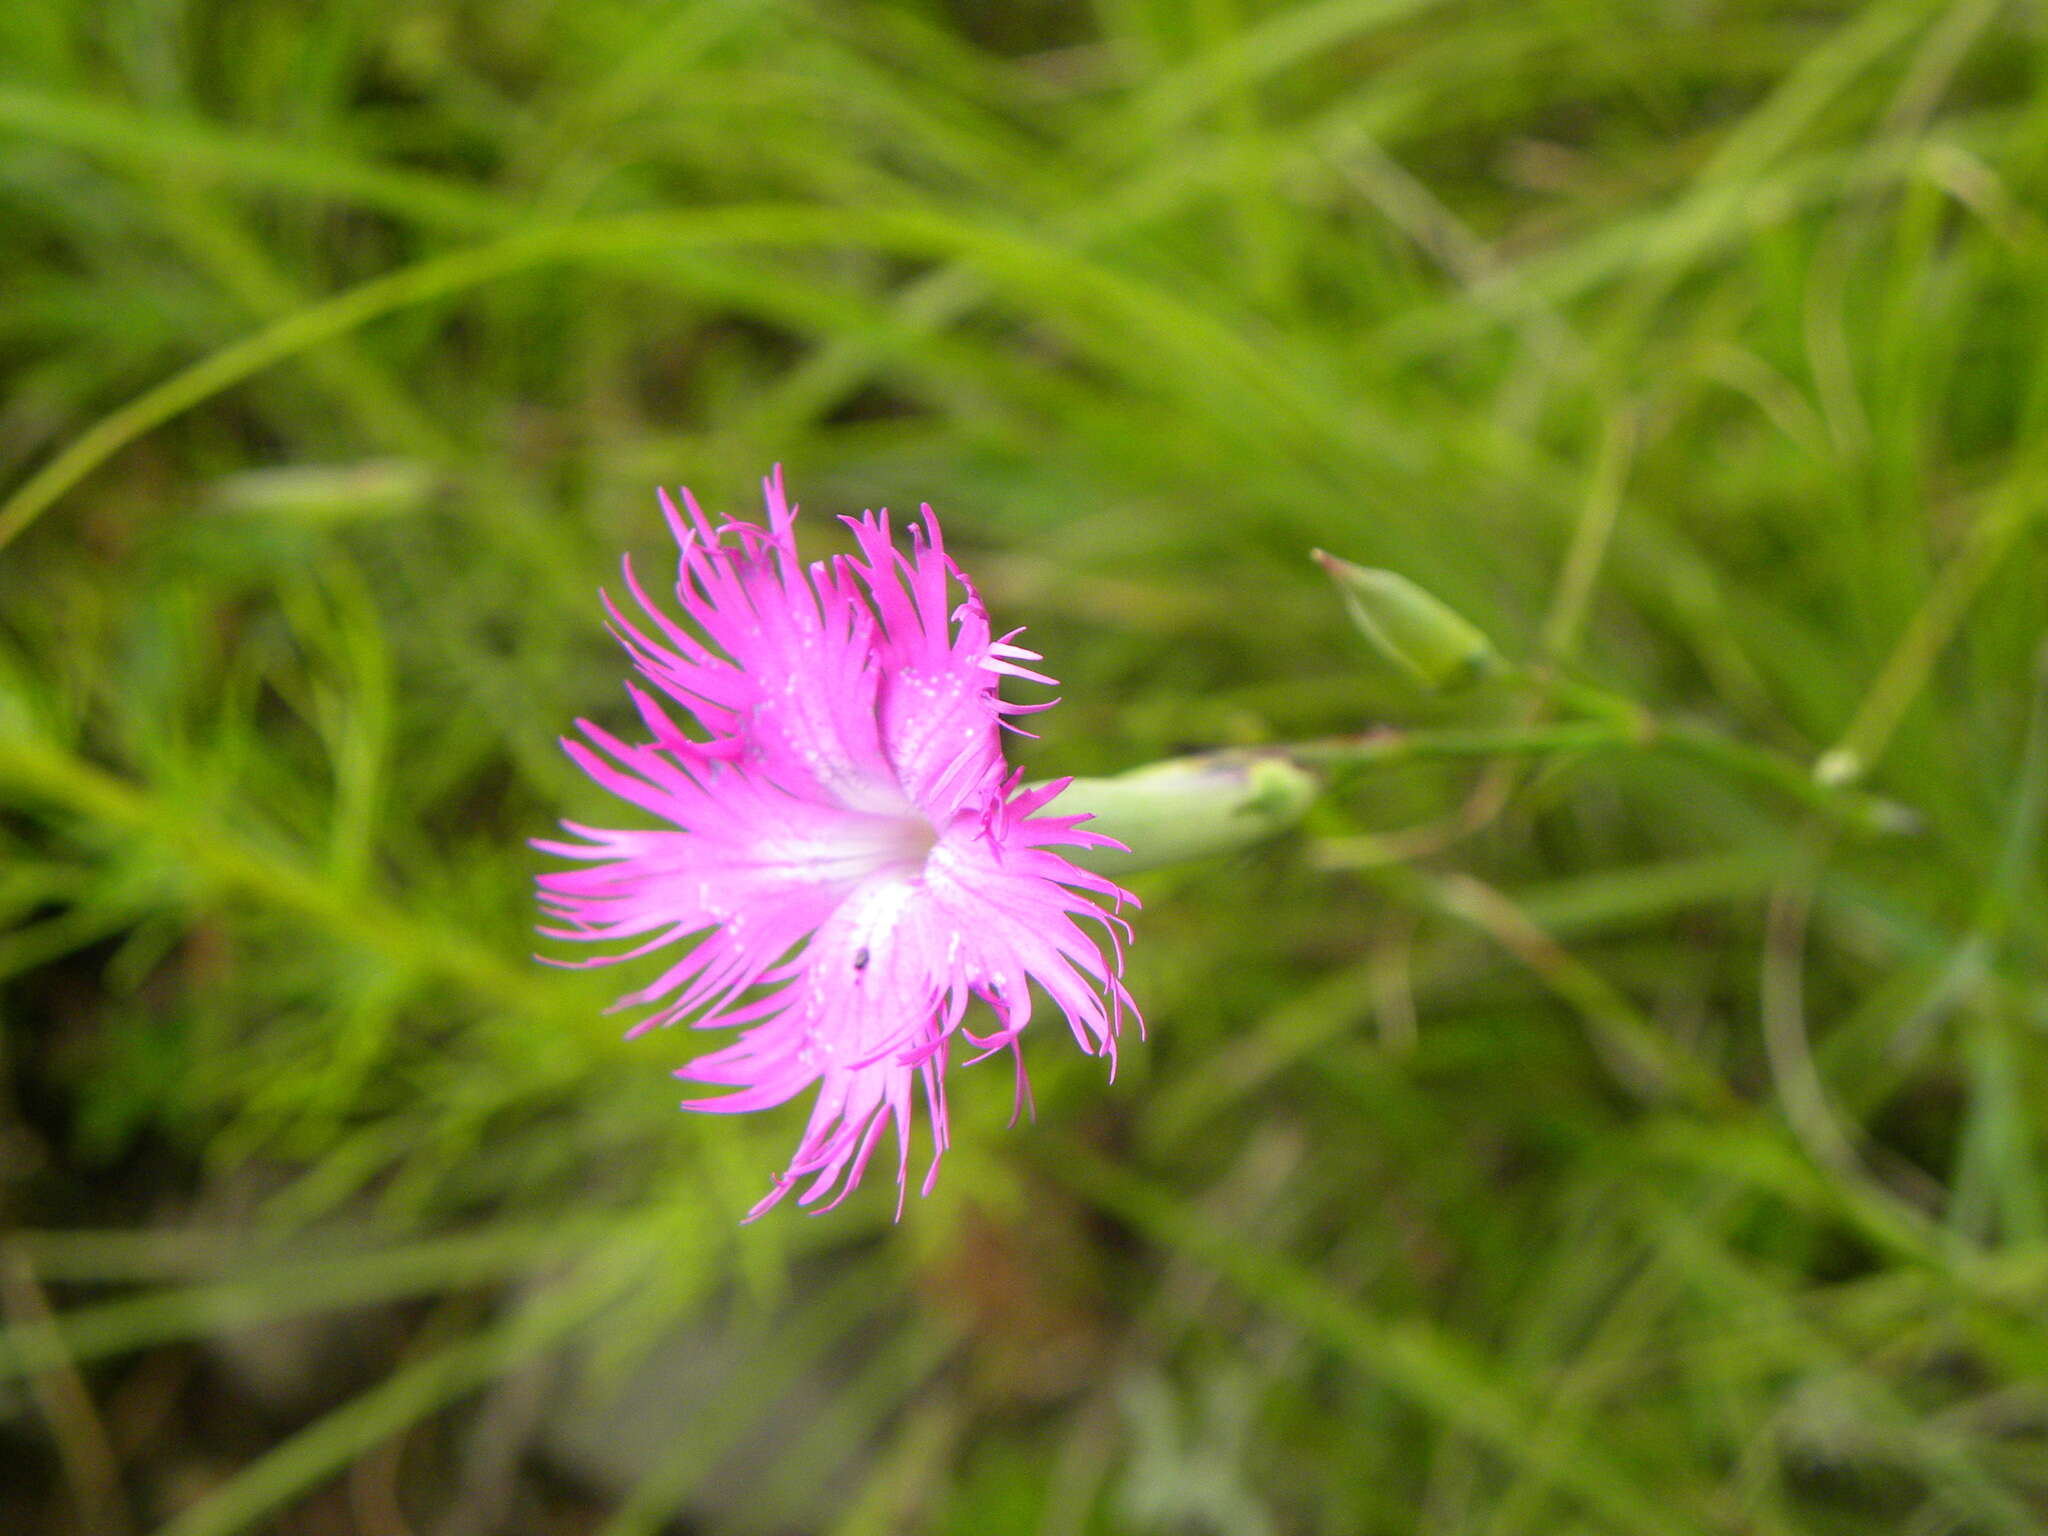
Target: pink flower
[847, 861]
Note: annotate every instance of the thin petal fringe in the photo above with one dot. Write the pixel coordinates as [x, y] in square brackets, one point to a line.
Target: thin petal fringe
[795, 715]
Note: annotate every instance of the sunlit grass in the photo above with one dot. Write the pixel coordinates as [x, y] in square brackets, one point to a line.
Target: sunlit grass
[1601, 1138]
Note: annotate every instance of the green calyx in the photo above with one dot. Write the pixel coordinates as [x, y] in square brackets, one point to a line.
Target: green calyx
[1412, 629]
[1189, 808]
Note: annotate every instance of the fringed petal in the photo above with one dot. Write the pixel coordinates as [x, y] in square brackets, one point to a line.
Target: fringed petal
[845, 862]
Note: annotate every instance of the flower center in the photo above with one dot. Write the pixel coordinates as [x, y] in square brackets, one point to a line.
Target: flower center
[865, 847]
[915, 838]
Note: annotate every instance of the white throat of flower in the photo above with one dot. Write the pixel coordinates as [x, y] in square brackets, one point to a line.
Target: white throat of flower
[867, 846]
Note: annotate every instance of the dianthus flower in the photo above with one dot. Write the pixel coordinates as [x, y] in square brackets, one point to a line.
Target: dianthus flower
[847, 858]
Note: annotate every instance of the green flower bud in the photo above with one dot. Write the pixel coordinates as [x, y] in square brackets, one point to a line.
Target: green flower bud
[1410, 628]
[1188, 808]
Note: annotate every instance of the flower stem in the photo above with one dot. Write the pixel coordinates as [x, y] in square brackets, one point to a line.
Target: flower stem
[1619, 723]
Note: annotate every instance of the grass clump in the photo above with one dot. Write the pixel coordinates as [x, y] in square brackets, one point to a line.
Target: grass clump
[1607, 1137]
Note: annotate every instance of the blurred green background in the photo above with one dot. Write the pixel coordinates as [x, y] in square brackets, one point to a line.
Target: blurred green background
[1638, 1137]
